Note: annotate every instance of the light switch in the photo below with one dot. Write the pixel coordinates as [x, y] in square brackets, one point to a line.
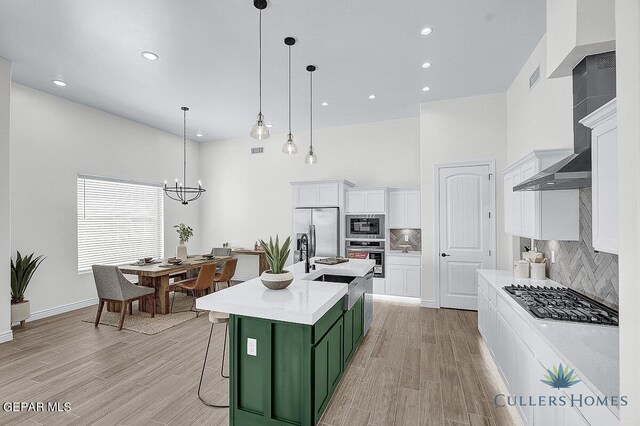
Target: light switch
[553, 256]
[252, 346]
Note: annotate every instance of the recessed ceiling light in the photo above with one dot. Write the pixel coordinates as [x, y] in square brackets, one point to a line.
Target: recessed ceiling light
[150, 56]
[269, 125]
[426, 65]
[199, 134]
[426, 31]
[372, 96]
[59, 83]
[426, 88]
[325, 104]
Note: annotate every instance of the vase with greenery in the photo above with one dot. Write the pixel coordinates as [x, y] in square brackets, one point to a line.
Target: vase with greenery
[184, 233]
[276, 277]
[22, 271]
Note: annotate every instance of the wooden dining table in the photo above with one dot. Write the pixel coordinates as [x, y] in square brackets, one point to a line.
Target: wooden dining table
[157, 275]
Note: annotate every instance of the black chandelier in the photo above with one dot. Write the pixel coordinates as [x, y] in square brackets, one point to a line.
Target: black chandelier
[181, 192]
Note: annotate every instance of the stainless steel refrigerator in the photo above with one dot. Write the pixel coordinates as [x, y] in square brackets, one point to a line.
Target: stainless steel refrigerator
[322, 226]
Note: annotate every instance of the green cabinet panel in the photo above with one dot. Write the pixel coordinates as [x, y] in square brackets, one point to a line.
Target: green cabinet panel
[353, 321]
[327, 355]
[348, 335]
[323, 325]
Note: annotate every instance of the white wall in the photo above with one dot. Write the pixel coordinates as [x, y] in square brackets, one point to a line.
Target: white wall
[52, 141]
[5, 205]
[628, 88]
[458, 130]
[543, 117]
[252, 196]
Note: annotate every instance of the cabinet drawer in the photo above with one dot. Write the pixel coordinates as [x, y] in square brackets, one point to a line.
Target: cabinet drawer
[517, 324]
[403, 260]
[493, 296]
[483, 284]
[324, 324]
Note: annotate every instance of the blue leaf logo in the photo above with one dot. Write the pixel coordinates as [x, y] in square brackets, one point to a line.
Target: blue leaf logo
[560, 377]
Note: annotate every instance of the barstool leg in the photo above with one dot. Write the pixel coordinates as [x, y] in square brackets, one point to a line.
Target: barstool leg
[224, 349]
[172, 299]
[204, 364]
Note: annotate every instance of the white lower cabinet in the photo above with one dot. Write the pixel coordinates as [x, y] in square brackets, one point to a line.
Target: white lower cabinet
[403, 276]
[521, 356]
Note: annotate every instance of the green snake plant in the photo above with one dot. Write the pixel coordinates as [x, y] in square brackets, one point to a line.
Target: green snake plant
[276, 256]
[21, 272]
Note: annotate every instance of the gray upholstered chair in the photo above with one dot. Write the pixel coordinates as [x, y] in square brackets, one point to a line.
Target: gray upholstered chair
[215, 318]
[220, 251]
[112, 286]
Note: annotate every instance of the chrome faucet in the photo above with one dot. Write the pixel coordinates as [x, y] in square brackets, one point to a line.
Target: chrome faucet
[304, 241]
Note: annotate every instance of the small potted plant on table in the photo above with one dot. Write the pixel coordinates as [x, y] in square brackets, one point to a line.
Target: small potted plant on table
[184, 233]
[276, 278]
[21, 272]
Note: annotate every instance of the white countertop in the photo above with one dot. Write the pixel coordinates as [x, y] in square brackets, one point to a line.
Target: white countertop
[591, 349]
[304, 301]
[401, 253]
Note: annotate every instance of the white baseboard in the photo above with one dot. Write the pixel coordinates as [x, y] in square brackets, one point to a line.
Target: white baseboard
[7, 336]
[428, 303]
[45, 313]
[390, 298]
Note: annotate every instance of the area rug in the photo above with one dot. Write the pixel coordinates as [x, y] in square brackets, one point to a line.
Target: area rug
[141, 322]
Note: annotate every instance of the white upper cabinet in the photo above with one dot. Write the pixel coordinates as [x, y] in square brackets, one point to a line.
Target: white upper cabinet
[317, 194]
[542, 215]
[604, 162]
[404, 209]
[367, 201]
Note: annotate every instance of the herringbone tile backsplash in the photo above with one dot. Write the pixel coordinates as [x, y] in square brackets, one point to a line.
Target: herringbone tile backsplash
[579, 266]
[396, 236]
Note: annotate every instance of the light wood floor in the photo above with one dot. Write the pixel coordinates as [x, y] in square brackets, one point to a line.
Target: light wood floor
[416, 366]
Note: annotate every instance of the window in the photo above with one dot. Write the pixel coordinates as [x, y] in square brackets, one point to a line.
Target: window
[118, 222]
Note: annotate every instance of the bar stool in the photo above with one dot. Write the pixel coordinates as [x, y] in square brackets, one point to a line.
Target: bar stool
[215, 318]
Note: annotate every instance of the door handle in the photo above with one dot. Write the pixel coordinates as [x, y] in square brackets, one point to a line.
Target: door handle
[445, 255]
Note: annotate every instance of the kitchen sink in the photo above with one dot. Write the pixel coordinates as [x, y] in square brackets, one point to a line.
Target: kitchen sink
[335, 278]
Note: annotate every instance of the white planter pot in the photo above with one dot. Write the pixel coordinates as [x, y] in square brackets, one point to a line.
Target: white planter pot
[20, 312]
[276, 281]
[181, 251]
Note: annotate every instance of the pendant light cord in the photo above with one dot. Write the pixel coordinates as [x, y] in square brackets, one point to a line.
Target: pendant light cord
[260, 65]
[184, 140]
[311, 109]
[289, 89]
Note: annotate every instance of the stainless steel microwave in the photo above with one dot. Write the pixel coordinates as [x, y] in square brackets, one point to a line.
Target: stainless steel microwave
[365, 226]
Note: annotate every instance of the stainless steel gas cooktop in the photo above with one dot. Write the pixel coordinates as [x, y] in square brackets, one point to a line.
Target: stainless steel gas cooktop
[562, 304]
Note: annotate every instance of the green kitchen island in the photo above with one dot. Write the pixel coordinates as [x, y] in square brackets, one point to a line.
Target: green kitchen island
[288, 348]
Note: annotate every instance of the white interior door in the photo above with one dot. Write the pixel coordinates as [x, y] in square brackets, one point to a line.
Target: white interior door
[465, 215]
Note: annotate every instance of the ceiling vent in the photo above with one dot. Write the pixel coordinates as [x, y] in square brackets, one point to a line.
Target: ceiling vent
[258, 150]
[535, 77]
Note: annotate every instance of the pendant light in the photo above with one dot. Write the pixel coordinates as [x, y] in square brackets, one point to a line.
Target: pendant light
[260, 130]
[311, 157]
[181, 192]
[289, 146]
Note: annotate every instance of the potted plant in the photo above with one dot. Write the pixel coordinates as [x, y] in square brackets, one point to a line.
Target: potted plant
[21, 272]
[276, 278]
[184, 232]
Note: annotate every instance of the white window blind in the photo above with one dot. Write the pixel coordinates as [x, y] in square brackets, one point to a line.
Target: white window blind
[118, 222]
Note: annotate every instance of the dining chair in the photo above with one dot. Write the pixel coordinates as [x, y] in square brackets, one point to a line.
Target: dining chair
[228, 271]
[220, 251]
[112, 286]
[215, 318]
[200, 284]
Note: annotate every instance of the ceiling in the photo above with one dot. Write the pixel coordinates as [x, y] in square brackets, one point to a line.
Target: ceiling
[209, 57]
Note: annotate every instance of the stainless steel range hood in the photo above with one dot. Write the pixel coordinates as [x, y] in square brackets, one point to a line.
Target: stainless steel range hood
[594, 84]
[572, 172]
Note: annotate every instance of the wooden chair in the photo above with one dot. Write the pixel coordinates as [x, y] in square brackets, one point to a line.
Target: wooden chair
[228, 271]
[195, 286]
[112, 286]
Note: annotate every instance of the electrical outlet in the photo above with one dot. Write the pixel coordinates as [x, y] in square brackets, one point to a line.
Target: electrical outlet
[252, 347]
[406, 238]
[553, 256]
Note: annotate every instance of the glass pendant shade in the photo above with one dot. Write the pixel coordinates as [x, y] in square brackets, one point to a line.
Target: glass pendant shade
[260, 130]
[311, 157]
[289, 146]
